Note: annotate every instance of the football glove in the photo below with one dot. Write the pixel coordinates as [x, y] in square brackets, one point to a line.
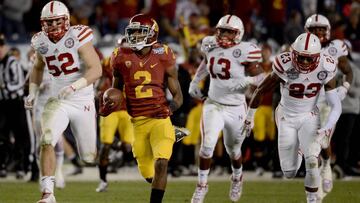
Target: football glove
[195, 91]
[323, 137]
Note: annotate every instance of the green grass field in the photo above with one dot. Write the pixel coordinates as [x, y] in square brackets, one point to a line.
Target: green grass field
[178, 191]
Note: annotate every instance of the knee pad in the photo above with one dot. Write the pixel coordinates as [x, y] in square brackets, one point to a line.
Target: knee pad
[234, 152]
[206, 152]
[290, 174]
[312, 178]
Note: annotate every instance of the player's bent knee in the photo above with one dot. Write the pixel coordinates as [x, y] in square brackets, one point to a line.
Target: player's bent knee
[290, 174]
[311, 162]
[206, 152]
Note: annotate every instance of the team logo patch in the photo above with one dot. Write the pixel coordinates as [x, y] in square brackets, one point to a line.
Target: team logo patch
[236, 53]
[332, 51]
[292, 74]
[127, 64]
[43, 49]
[322, 75]
[69, 43]
[160, 50]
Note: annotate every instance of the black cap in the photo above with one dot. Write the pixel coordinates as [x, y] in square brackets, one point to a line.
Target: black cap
[2, 39]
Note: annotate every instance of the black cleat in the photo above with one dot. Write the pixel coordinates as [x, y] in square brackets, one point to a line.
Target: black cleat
[180, 133]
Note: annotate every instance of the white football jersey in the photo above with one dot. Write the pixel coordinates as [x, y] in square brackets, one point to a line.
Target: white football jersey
[300, 92]
[62, 58]
[336, 48]
[225, 66]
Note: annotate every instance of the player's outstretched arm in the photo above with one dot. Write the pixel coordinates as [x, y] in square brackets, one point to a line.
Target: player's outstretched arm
[335, 103]
[36, 76]
[174, 87]
[344, 66]
[201, 73]
[269, 83]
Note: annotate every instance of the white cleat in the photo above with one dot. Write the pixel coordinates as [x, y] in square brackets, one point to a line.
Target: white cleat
[236, 189]
[59, 180]
[320, 193]
[199, 194]
[102, 186]
[47, 198]
[327, 179]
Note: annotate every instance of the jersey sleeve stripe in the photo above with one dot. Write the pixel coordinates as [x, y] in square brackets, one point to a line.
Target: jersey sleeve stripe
[278, 66]
[254, 57]
[255, 52]
[85, 36]
[82, 32]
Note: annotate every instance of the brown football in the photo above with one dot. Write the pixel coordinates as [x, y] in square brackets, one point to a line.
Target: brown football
[113, 96]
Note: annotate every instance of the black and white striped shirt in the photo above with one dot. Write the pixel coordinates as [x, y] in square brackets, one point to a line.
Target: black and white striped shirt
[12, 78]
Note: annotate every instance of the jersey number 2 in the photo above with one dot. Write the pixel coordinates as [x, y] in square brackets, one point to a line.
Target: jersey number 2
[140, 91]
[67, 60]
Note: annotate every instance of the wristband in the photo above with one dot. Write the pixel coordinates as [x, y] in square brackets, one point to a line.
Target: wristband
[346, 85]
[173, 106]
[79, 84]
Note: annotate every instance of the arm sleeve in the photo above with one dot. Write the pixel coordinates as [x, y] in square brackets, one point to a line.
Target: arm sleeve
[335, 104]
[201, 72]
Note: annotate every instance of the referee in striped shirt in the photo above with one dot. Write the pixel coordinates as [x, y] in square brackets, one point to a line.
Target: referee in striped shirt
[12, 113]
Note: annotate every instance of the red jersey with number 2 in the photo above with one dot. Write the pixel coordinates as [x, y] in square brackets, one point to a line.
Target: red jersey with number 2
[144, 78]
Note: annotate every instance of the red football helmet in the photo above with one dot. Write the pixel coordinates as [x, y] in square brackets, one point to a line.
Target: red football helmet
[305, 52]
[229, 31]
[141, 32]
[55, 20]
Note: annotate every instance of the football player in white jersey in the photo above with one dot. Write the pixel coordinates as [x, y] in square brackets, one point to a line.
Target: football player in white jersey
[301, 74]
[227, 59]
[59, 47]
[319, 25]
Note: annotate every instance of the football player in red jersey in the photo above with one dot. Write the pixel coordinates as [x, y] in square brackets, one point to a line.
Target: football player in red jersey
[146, 67]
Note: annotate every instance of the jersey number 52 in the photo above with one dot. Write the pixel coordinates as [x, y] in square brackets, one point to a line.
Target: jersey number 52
[65, 67]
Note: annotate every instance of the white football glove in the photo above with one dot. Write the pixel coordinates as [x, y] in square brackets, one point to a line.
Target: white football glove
[248, 123]
[247, 127]
[341, 91]
[323, 137]
[241, 83]
[29, 101]
[195, 91]
[66, 92]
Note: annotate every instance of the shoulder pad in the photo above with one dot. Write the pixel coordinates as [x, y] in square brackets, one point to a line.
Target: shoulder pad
[82, 32]
[337, 48]
[208, 44]
[328, 62]
[252, 51]
[282, 62]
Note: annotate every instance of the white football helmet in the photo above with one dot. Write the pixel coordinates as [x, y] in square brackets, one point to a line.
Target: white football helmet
[229, 22]
[55, 20]
[305, 52]
[318, 20]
